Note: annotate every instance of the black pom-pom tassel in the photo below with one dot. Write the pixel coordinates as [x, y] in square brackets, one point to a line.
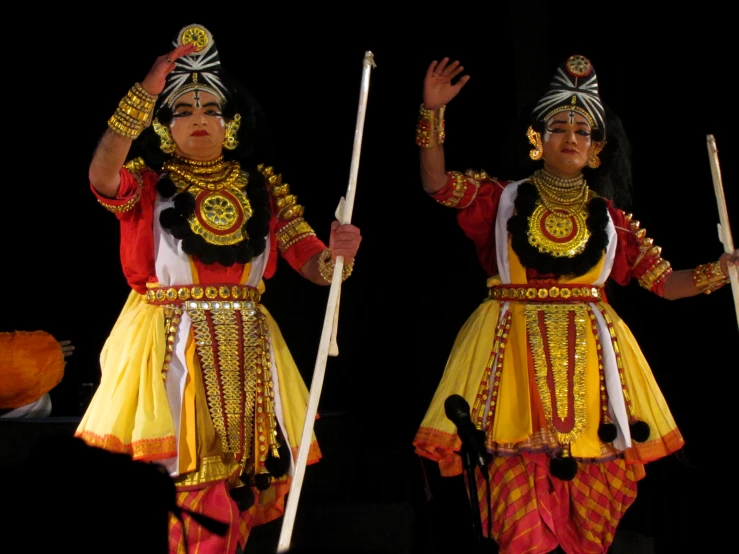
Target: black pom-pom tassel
[184, 203]
[563, 467]
[243, 496]
[167, 217]
[208, 256]
[607, 432]
[278, 467]
[194, 245]
[180, 228]
[639, 431]
[258, 245]
[243, 252]
[226, 255]
[166, 188]
[262, 481]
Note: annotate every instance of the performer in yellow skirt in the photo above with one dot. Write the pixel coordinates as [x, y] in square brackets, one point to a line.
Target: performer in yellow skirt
[195, 374]
[568, 405]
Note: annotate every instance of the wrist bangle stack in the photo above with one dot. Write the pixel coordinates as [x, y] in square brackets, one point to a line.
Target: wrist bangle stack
[134, 112]
[709, 277]
[430, 128]
[326, 267]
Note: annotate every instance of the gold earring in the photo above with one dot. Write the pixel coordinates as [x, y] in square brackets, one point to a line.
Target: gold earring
[595, 149]
[231, 141]
[166, 142]
[535, 140]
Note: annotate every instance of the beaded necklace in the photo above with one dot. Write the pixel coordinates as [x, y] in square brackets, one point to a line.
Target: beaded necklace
[558, 224]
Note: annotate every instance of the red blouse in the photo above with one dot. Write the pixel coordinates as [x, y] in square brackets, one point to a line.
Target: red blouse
[476, 196]
[134, 208]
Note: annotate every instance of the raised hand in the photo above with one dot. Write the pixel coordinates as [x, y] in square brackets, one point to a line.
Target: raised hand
[438, 89]
[155, 80]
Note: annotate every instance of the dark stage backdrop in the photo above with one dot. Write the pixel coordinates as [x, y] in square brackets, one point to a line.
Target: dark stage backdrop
[416, 278]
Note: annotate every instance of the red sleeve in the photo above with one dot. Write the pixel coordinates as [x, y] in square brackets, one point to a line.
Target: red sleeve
[134, 208]
[636, 255]
[290, 234]
[476, 196]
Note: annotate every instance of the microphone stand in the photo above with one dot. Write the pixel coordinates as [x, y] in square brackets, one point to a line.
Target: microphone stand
[469, 467]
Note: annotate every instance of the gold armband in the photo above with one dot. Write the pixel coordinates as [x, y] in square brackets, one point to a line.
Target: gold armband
[658, 271]
[709, 277]
[430, 127]
[326, 266]
[134, 112]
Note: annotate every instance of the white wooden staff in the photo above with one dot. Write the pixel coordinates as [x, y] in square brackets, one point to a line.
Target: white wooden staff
[724, 230]
[329, 322]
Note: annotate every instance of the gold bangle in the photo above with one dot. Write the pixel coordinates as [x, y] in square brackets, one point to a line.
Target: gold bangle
[326, 267]
[709, 277]
[430, 130]
[133, 113]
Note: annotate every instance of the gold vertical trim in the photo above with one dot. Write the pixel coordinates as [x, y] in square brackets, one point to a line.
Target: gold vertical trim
[556, 323]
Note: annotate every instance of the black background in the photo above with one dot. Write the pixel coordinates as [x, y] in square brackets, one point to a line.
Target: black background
[669, 75]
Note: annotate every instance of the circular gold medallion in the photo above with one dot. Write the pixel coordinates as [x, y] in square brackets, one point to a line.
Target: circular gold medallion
[219, 211]
[220, 215]
[558, 233]
[579, 66]
[196, 36]
[558, 226]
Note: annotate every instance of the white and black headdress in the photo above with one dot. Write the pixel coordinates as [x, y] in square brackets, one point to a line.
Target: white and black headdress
[200, 70]
[573, 88]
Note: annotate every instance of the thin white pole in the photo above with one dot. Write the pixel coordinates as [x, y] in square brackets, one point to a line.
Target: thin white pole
[296, 484]
[723, 228]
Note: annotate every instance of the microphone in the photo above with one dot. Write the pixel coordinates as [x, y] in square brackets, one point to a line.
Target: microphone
[458, 411]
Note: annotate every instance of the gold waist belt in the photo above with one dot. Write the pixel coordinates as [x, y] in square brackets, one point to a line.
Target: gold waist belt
[206, 294]
[556, 293]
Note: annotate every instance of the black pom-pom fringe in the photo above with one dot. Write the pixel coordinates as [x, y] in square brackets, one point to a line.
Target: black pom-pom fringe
[607, 432]
[563, 467]
[639, 431]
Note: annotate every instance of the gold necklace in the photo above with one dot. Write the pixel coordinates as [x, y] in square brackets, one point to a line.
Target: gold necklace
[556, 192]
[558, 224]
[197, 163]
[221, 206]
[220, 176]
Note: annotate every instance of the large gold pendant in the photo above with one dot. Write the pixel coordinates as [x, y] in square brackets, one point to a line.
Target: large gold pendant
[220, 215]
[558, 233]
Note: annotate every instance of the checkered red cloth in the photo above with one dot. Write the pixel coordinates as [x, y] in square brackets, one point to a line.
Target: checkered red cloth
[533, 511]
[188, 537]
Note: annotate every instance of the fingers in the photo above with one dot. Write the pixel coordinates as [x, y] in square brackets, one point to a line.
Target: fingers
[730, 258]
[180, 51]
[67, 347]
[451, 70]
[345, 240]
[456, 71]
[431, 71]
[440, 67]
[444, 71]
[462, 81]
